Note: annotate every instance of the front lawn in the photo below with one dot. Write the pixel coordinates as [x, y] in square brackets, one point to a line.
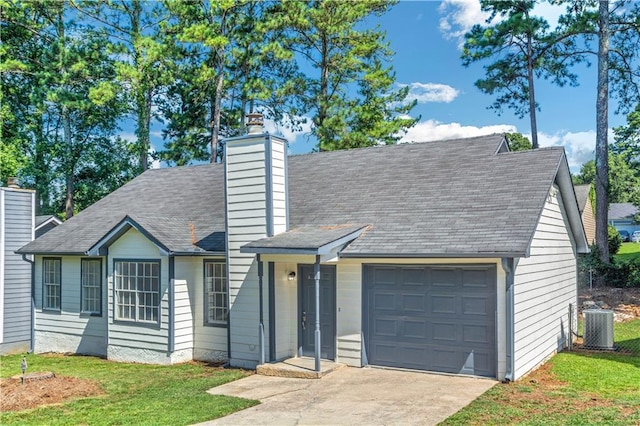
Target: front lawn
[628, 251]
[573, 388]
[132, 393]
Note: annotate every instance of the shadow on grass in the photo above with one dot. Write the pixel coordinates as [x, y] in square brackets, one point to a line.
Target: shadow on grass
[622, 354]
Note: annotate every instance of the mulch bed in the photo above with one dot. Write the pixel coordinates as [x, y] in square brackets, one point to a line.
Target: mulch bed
[16, 396]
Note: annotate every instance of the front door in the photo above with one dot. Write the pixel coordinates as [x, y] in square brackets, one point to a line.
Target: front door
[307, 311]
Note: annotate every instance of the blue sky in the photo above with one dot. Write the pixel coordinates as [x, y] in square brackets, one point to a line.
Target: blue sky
[426, 38]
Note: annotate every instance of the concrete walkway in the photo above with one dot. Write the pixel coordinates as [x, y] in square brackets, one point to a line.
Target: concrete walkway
[352, 396]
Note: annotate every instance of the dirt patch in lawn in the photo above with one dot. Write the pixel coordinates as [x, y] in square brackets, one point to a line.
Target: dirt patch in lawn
[542, 393]
[16, 396]
[624, 302]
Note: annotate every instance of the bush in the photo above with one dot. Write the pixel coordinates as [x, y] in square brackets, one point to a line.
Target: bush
[615, 240]
[622, 274]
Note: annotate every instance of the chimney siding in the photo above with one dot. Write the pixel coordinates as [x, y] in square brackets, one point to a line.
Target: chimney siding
[256, 202]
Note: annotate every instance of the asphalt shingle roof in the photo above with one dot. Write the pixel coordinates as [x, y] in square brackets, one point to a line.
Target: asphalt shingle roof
[307, 237]
[163, 201]
[622, 211]
[455, 197]
[582, 195]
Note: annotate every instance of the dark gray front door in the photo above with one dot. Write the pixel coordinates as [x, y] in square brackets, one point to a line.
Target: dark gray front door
[307, 311]
[436, 318]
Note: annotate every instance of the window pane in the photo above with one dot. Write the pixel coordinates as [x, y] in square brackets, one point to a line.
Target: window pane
[139, 291]
[215, 288]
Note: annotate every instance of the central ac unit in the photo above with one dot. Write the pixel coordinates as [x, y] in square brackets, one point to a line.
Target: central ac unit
[598, 329]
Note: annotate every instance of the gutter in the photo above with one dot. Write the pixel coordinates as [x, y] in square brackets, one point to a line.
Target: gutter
[507, 265]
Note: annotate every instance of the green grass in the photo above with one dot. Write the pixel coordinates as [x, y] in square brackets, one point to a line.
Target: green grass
[135, 393]
[574, 388]
[627, 336]
[628, 251]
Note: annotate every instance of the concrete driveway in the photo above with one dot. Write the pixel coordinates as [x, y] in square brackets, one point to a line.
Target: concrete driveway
[352, 396]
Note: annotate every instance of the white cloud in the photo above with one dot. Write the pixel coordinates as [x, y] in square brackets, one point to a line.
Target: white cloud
[430, 92]
[579, 146]
[285, 130]
[458, 16]
[432, 130]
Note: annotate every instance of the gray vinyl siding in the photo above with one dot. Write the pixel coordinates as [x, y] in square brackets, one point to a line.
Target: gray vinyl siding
[544, 286]
[16, 230]
[248, 198]
[134, 246]
[69, 330]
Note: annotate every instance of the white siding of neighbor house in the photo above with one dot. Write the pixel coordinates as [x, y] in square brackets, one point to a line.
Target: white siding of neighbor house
[69, 330]
[247, 201]
[544, 286]
[209, 343]
[17, 224]
[139, 342]
[349, 305]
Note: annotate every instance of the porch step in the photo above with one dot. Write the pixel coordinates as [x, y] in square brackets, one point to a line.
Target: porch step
[299, 368]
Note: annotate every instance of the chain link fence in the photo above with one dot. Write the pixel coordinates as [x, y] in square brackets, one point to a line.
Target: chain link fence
[606, 318]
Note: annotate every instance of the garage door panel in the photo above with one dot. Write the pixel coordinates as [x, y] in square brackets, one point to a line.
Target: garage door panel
[383, 301]
[444, 323]
[414, 329]
[475, 334]
[444, 332]
[413, 302]
[443, 304]
[413, 277]
[475, 279]
[476, 305]
[385, 327]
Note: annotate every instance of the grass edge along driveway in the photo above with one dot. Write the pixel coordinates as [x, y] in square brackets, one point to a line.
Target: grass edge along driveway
[133, 393]
[573, 388]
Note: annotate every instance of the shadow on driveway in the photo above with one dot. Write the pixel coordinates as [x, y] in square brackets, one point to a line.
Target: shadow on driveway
[352, 396]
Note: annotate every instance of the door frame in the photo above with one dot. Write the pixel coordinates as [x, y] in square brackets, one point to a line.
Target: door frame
[334, 317]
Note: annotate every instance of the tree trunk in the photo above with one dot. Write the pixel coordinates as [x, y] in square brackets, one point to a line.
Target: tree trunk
[142, 93]
[324, 94]
[69, 178]
[602, 124]
[532, 95]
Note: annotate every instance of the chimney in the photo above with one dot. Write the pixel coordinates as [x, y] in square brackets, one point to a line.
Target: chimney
[256, 202]
[255, 123]
[12, 182]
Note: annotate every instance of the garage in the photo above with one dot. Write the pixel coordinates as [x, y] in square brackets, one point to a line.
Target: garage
[436, 318]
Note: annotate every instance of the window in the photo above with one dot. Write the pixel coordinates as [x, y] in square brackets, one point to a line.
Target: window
[137, 288]
[51, 291]
[91, 277]
[215, 293]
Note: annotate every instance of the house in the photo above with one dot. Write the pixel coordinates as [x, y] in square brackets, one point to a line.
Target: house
[586, 212]
[45, 223]
[16, 229]
[454, 256]
[621, 217]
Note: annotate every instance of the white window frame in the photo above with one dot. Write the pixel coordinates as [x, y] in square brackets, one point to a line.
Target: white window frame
[91, 286]
[51, 284]
[216, 293]
[137, 295]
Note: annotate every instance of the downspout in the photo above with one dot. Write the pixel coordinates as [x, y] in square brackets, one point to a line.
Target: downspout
[507, 265]
[272, 311]
[172, 303]
[316, 268]
[32, 342]
[261, 324]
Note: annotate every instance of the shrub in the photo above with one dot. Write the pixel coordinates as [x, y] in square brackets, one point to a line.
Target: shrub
[615, 240]
[622, 274]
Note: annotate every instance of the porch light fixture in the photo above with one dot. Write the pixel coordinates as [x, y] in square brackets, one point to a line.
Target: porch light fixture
[291, 276]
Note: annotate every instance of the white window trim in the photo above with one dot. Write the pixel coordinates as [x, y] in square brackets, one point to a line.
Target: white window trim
[223, 295]
[136, 293]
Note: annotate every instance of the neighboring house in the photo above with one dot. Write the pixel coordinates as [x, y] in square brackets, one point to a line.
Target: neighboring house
[454, 256]
[621, 216]
[586, 212]
[16, 229]
[45, 224]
